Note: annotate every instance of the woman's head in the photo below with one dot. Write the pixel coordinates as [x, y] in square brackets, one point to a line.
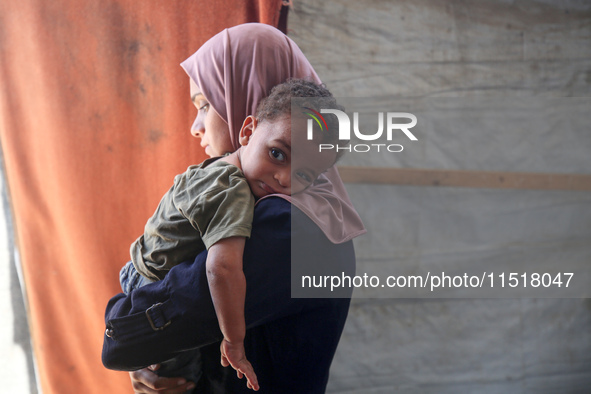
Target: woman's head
[216, 141]
[232, 72]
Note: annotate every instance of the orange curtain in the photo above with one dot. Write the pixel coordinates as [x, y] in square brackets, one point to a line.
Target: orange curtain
[94, 124]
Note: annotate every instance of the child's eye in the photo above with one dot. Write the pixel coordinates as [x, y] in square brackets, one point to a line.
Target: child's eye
[277, 154]
[304, 176]
[204, 107]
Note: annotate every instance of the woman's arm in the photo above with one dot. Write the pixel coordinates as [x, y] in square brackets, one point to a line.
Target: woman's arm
[301, 333]
[156, 322]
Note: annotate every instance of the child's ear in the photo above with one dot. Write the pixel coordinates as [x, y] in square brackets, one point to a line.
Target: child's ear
[248, 127]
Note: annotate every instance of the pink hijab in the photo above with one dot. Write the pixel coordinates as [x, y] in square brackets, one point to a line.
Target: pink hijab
[235, 70]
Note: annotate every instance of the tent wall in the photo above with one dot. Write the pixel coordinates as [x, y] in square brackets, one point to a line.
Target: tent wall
[446, 53]
[94, 118]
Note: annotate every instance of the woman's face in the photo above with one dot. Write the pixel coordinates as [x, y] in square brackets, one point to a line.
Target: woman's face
[209, 126]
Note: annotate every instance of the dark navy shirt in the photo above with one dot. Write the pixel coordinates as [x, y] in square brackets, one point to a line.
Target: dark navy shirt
[290, 341]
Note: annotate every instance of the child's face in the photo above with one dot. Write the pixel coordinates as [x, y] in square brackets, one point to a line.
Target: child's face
[266, 158]
[209, 126]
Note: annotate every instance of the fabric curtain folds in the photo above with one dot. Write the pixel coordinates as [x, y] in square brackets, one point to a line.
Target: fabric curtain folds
[94, 124]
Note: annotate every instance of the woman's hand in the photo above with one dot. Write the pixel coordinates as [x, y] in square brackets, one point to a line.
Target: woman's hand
[145, 381]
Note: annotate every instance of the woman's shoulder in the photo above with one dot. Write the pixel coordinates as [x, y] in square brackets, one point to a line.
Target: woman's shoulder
[282, 230]
[278, 211]
[273, 204]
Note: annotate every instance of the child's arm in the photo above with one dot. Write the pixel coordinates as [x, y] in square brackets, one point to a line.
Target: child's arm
[228, 289]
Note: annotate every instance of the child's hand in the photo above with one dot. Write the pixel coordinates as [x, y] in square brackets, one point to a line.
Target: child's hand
[233, 354]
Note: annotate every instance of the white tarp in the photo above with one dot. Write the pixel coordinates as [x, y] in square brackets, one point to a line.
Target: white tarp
[445, 59]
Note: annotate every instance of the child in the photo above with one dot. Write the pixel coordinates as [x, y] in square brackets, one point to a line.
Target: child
[210, 206]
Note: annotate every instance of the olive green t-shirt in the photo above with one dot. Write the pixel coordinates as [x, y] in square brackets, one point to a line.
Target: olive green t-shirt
[208, 202]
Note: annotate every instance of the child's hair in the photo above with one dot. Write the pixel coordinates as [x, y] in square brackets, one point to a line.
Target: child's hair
[278, 104]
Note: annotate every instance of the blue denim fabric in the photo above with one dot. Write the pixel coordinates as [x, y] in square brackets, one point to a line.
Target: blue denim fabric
[130, 279]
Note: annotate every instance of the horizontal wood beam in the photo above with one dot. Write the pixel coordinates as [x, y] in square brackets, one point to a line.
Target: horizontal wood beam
[462, 178]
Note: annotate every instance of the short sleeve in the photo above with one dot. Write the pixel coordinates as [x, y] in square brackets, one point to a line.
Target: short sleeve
[222, 209]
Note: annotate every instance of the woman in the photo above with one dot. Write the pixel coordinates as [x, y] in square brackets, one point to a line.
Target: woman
[229, 75]
[233, 72]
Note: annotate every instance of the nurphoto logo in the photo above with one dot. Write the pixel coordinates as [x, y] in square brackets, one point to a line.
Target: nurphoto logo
[393, 126]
